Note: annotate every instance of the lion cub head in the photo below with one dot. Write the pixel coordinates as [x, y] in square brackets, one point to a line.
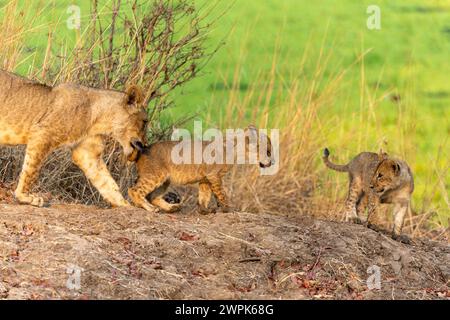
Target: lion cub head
[262, 149]
[386, 176]
[129, 122]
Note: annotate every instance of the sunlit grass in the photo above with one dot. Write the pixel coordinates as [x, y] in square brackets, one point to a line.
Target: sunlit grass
[314, 71]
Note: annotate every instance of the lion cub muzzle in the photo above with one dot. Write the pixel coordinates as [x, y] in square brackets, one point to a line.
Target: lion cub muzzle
[379, 190]
[266, 164]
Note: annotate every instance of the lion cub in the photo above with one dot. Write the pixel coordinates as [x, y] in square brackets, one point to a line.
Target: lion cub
[376, 178]
[156, 171]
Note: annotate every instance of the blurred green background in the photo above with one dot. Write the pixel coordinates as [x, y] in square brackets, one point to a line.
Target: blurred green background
[405, 65]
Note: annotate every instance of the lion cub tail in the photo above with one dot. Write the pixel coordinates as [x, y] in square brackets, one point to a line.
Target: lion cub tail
[329, 164]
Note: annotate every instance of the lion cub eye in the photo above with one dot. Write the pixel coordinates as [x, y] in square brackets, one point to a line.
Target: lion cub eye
[379, 176]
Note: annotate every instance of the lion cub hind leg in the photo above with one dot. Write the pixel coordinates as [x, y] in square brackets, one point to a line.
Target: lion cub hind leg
[354, 194]
[204, 197]
[219, 192]
[36, 152]
[362, 204]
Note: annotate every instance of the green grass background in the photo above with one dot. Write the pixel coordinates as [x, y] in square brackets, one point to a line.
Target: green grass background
[409, 56]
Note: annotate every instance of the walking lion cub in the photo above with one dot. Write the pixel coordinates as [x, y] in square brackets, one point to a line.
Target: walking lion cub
[376, 178]
[157, 170]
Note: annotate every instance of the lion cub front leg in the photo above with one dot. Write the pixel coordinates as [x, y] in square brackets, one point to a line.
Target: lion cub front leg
[153, 186]
[401, 207]
[35, 154]
[88, 156]
[373, 203]
[138, 195]
[157, 195]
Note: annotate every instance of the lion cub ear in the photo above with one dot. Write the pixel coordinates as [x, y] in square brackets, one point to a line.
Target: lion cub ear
[252, 132]
[252, 129]
[396, 168]
[382, 155]
[134, 95]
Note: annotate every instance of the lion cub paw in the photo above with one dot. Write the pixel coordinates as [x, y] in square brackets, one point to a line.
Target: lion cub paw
[172, 198]
[373, 227]
[226, 209]
[403, 238]
[148, 207]
[31, 200]
[37, 201]
[165, 206]
[205, 211]
[355, 219]
[172, 208]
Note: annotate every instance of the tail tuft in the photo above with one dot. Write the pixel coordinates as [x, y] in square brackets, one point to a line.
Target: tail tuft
[331, 165]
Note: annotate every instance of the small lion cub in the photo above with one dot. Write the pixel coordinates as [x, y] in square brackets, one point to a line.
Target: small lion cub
[156, 171]
[376, 178]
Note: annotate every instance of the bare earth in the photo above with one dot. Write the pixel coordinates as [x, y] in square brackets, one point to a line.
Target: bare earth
[132, 254]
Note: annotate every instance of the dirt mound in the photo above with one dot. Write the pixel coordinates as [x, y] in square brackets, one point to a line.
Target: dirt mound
[131, 254]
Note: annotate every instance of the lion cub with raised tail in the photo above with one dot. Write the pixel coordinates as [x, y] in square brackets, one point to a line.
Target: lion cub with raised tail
[157, 170]
[376, 178]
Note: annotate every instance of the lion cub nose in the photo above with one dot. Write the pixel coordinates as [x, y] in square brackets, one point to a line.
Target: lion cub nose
[137, 144]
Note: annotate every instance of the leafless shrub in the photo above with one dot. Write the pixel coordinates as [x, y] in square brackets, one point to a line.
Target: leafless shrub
[157, 44]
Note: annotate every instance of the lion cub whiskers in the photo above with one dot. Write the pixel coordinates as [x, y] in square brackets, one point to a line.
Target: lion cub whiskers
[157, 170]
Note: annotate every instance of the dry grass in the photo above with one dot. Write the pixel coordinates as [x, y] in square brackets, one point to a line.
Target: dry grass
[61, 180]
[300, 108]
[160, 47]
[161, 63]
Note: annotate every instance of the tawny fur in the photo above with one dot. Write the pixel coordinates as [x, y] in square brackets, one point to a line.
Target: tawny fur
[393, 182]
[157, 171]
[45, 118]
[376, 178]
